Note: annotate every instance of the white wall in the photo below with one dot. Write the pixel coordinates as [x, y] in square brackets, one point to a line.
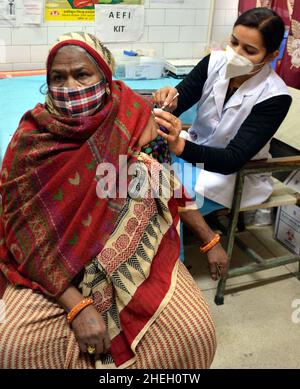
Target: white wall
[174, 31]
[226, 12]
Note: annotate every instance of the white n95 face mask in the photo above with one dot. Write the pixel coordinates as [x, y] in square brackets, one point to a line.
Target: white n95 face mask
[237, 65]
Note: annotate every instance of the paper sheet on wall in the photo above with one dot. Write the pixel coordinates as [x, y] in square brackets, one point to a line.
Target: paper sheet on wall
[117, 2]
[124, 23]
[30, 13]
[7, 13]
[79, 10]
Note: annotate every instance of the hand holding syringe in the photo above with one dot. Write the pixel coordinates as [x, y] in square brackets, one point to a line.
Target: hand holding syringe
[163, 108]
[159, 96]
[167, 104]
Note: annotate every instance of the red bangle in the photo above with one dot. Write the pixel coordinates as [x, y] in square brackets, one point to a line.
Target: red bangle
[207, 246]
[78, 308]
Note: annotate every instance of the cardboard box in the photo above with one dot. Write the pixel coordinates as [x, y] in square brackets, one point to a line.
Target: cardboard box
[287, 226]
[138, 68]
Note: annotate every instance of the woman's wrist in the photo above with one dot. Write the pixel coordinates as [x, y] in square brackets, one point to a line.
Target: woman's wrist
[70, 297]
[177, 146]
[79, 307]
[210, 244]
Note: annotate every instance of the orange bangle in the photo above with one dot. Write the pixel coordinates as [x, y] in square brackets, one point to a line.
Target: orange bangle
[78, 308]
[207, 246]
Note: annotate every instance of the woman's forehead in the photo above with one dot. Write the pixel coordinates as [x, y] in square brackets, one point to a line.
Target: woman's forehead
[248, 35]
[73, 55]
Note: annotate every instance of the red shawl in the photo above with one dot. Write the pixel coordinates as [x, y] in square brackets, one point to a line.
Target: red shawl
[52, 222]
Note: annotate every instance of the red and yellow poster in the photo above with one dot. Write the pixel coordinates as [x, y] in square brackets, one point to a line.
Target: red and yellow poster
[79, 10]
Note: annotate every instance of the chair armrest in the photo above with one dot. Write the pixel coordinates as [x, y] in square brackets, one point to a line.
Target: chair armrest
[280, 164]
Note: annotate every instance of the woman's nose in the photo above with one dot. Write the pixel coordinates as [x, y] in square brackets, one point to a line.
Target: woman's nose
[238, 50]
[70, 83]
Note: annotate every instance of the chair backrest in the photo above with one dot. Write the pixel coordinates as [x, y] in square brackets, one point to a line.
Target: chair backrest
[288, 132]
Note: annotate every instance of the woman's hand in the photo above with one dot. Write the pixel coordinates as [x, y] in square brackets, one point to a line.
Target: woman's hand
[170, 128]
[89, 329]
[217, 262]
[88, 325]
[163, 98]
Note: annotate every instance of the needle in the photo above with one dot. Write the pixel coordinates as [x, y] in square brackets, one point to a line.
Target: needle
[165, 105]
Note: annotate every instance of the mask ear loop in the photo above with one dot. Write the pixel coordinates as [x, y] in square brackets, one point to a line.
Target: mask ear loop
[258, 64]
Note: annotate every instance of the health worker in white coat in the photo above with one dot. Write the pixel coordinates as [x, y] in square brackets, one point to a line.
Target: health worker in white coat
[241, 104]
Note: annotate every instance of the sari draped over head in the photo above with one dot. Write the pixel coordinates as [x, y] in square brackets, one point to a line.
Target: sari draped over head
[54, 226]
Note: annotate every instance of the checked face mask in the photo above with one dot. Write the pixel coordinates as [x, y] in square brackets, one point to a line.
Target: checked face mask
[81, 101]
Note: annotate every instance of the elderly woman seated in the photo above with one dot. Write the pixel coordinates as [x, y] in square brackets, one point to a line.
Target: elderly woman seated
[90, 271]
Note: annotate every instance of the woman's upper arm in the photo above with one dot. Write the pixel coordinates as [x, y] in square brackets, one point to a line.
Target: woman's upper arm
[190, 88]
[149, 133]
[257, 129]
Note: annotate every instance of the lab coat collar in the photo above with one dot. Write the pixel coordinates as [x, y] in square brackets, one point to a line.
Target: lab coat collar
[253, 86]
[220, 89]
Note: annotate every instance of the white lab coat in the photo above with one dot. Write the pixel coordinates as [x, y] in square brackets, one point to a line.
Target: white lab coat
[216, 124]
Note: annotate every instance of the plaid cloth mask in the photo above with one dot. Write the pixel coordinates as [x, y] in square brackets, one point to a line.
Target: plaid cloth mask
[82, 101]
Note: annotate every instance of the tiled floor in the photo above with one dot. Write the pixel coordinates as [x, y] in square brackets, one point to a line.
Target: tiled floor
[254, 327]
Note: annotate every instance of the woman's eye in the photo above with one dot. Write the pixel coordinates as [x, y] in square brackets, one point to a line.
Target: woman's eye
[57, 78]
[250, 52]
[234, 43]
[82, 75]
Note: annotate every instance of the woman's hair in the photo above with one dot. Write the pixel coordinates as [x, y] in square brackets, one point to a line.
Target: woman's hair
[267, 22]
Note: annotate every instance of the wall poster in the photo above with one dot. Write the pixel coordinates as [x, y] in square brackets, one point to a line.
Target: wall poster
[79, 10]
